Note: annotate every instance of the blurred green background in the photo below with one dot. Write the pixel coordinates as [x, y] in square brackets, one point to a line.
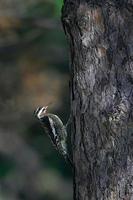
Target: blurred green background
[33, 72]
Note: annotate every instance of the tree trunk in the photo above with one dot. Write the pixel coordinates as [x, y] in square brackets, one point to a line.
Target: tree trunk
[100, 34]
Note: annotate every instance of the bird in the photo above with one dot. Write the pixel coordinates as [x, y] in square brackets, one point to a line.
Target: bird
[55, 129]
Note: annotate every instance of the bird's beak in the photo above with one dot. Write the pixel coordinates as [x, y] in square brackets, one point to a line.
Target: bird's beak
[34, 113]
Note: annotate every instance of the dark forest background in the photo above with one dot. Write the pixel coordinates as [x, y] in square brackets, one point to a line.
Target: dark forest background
[33, 72]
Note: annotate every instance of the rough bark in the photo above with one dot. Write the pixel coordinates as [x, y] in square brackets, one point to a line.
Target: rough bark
[100, 35]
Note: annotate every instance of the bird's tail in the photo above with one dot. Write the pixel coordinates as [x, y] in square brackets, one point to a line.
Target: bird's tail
[68, 159]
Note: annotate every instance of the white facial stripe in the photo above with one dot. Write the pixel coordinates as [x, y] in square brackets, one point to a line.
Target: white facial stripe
[40, 112]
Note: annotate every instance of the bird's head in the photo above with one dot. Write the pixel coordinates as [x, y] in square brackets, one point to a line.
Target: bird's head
[40, 112]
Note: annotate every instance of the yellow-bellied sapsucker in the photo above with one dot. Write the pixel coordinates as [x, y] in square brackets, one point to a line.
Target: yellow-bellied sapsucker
[55, 129]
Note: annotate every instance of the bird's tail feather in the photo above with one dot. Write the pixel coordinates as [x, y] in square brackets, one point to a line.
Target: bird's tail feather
[68, 159]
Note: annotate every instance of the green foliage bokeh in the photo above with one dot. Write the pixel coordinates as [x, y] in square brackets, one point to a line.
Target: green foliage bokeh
[33, 72]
